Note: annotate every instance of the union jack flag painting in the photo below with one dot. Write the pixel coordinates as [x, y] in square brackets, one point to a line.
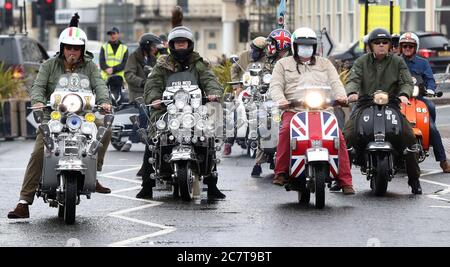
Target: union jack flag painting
[308, 126]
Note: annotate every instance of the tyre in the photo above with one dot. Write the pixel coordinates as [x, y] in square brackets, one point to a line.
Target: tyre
[60, 211]
[185, 181]
[70, 198]
[321, 174]
[117, 145]
[379, 182]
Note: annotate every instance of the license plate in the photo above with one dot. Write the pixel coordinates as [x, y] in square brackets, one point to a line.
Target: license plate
[444, 53]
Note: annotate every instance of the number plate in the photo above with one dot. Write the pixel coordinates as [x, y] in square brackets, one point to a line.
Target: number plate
[444, 53]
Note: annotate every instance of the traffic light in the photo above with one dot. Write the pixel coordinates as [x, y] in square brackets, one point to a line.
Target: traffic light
[48, 8]
[9, 19]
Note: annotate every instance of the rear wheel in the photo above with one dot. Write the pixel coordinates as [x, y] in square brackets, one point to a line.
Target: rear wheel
[70, 198]
[185, 181]
[379, 182]
[321, 173]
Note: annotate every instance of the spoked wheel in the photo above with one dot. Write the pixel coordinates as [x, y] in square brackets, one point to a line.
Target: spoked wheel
[185, 181]
[70, 198]
[379, 181]
[321, 173]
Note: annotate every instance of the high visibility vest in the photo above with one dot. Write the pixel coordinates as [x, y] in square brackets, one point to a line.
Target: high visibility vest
[112, 59]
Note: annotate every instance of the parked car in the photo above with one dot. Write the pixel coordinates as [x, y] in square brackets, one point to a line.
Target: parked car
[23, 54]
[434, 46]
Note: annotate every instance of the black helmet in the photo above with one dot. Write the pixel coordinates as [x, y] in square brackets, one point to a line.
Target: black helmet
[149, 39]
[378, 34]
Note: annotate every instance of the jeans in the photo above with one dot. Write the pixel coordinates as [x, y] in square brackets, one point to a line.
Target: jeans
[435, 136]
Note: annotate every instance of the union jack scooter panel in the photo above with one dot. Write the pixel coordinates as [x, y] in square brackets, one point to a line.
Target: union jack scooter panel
[308, 126]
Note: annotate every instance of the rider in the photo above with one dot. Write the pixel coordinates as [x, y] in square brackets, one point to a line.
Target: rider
[287, 74]
[409, 45]
[137, 69]
[72, 58]
[253, 55]
[381, 70]
[278, 46]
[182, 58]
[113, 55]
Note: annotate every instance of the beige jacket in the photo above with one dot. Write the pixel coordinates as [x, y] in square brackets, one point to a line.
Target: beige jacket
[288, 75]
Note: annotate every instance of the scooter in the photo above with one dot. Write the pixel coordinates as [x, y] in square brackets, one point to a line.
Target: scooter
[314, 145]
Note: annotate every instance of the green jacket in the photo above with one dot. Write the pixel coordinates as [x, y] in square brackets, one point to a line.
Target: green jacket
[390, 75]
[48, 77]
[135, 74]
[165, 66]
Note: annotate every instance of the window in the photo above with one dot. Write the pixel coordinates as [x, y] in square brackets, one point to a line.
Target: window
[212, 46]
[412, 15]
[351, 22]
[212, 34]
[443, 17]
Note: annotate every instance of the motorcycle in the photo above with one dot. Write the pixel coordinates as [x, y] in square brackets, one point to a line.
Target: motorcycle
[71, 141]
[314, 145]
[187, 137]
[379, 133]
[418, 115]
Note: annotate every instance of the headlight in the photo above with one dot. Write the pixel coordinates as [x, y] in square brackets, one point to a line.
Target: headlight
[63, 82]
[267, 78]
[172, 109]
[174, 124]
[188, 121]
[55, 115]
[202, 110]
[196, 102]
[55, 126]
[255, 80]
[314, 100]
[84, 83]
[88, 128]
[73, 103]
[161, 125]
[89, 117]
[416, 91]
[73, 122]
[187, 109]
[181, 98]
[246, 78]
[201, 125]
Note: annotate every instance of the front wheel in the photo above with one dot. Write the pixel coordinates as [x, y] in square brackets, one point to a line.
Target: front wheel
[379, 182]
[321, 172]
[185, 181]
[70, 198]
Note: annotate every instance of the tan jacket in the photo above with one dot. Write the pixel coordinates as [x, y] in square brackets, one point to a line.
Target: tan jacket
[244, 61]
[287, 75]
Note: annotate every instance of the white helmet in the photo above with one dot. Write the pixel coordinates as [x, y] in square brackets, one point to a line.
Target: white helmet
[303, 36]
[73, 36]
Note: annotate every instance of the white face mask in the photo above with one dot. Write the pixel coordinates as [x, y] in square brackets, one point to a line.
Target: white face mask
[305, 51]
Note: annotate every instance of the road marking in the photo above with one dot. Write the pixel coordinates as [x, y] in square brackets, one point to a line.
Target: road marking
[443, 107]
[442, 207]
[120, 213]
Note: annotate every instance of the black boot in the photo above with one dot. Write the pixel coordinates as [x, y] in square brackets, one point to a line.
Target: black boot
[146, 192]
[335, 187]
[415, 186]
[213, 191]
[257, 170]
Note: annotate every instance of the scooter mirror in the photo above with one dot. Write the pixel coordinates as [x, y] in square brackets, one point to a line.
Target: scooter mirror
[38, 115]
[439, 94]
[108, 120]
[139, 100]
[135, 119]
[101, 133]
[234, 58]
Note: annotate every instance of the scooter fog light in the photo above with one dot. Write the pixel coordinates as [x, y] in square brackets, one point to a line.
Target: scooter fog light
[89, 117]
[55, 115]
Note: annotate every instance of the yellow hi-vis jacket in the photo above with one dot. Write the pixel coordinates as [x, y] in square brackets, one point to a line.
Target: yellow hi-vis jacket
[113, 60]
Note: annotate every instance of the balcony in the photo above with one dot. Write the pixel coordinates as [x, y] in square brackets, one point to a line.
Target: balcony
[164, 12]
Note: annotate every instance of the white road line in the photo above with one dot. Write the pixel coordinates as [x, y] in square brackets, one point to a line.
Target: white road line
[135, 209]
[443, 107]
[121, 171]
[126, 189]
[140, 238]
[121, 179]
[442, 207]
[435, 183]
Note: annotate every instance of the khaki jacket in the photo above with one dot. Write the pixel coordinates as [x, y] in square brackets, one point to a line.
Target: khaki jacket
[288, 74]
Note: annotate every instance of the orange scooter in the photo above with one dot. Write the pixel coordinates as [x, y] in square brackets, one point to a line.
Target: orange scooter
[418, 115]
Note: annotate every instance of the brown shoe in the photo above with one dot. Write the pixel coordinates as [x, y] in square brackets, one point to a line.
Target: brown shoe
[100, 189]
[348, 190]
[445, 166]
[20, 212]
[279, 179]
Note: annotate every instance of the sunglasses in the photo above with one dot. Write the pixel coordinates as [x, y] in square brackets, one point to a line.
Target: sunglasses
[408, 46]
[384, 42]
[73, 47]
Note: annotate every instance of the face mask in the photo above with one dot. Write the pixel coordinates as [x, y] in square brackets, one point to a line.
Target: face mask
[305, 51]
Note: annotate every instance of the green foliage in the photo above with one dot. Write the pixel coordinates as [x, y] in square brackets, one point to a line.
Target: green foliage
[223, 74]
[9, 86]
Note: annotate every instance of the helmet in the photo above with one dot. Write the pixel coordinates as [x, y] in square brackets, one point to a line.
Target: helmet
[303, 36]
[72, 36]
[410, 38]
[395, 39]
[258, 43]
[378, 34]
[179, 33]
[277, 41]
[148, 39]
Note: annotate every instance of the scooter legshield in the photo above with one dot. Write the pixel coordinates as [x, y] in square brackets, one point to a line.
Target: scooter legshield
[417, 114]
[308, 126]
